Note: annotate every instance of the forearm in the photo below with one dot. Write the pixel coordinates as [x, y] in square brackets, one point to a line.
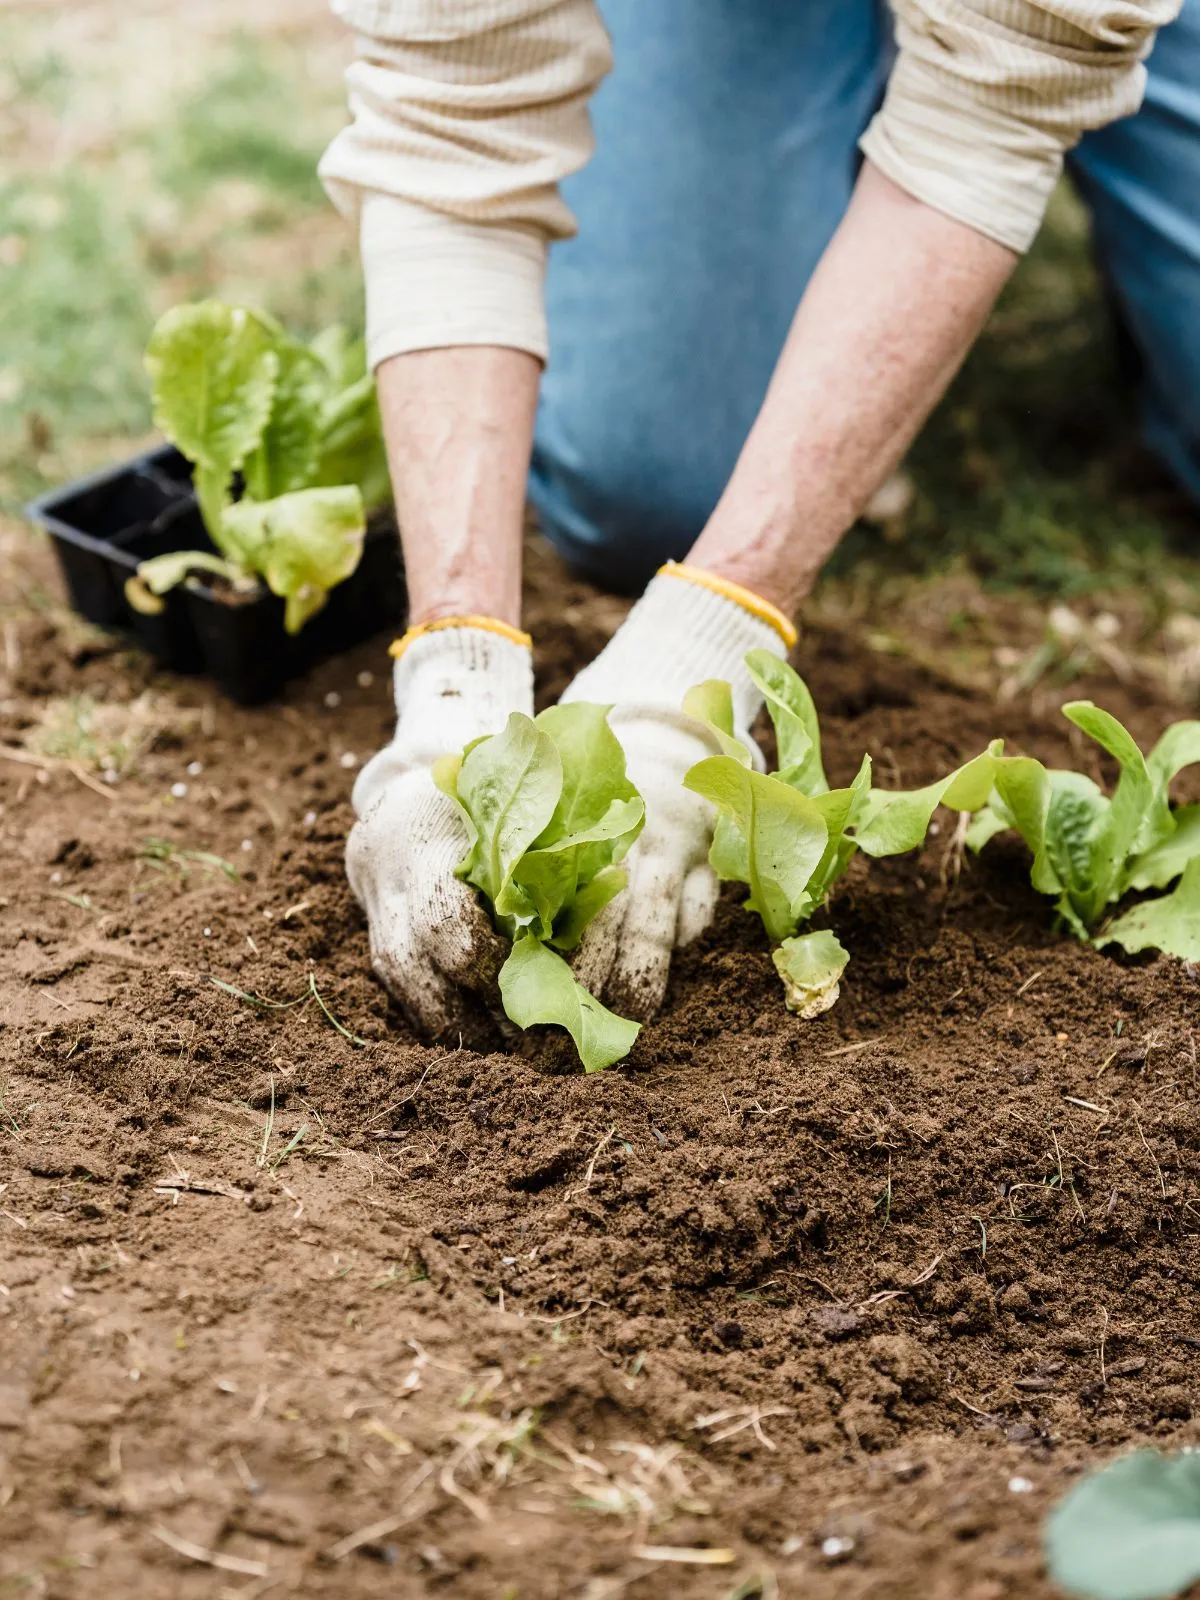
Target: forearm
[459, 429]
[886, 320]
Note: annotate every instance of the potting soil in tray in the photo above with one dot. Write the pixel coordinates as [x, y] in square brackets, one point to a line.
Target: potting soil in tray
[103, 526]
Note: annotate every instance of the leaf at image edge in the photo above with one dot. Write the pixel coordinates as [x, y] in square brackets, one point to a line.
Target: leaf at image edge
[1170, 922]
[1130, 1531]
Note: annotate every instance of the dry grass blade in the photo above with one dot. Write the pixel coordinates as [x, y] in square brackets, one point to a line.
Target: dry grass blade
[50, 764]
[209, 1558]
[185, 1184]
[1162, 1182]
[738, 1418]
[108, 736]
[698, 1556]
[375, 1531]
[566, 1316]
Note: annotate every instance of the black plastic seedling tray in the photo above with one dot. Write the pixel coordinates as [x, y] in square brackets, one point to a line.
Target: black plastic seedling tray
[103, 526]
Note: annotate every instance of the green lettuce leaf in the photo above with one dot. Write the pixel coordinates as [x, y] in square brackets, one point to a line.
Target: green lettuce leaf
[213, 369]
[1179, 747]
[777, 841]
[343, 357]
[589, 901]
[840, 809]
[894, 821]
[1139, 816]
[159, 574]
[1130, 1531]
[1156, 868]
[596, 819]
[593, 764]
[509, 786]
[712, 704]
[1078, 847]
[811, 966]
[549, 812]
[350, 447]
[548, 877]
[302, 544]
[794, 718]
[1170, 923]
[537, 986]
[285, 458]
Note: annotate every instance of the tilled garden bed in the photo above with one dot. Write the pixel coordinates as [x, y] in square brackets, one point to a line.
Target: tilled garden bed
[831, 1308]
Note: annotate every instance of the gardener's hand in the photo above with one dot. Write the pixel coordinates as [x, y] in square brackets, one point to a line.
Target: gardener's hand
[688, 627]
[430, 937]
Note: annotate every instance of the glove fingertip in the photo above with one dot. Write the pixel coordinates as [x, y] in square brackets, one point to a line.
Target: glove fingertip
[593, 960]
[697, 904]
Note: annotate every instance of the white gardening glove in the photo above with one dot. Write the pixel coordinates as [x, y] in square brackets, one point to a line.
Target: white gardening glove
[429, 934]
[687, 627]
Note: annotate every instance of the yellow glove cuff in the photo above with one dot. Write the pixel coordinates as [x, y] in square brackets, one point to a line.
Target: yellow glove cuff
[746, 598]
[485, 624]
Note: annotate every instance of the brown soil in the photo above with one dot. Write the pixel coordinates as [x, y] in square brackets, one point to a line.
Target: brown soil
[355, 1318]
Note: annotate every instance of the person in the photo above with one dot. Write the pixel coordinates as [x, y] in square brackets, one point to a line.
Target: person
[795, 223]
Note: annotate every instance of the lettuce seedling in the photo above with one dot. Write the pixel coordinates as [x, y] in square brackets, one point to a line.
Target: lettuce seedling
[298, 423]
[1090, 849]
[1129, 1531]
[549, 814]
[789, 837]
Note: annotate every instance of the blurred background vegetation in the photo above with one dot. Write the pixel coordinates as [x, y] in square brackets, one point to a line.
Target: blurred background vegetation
[154, 153]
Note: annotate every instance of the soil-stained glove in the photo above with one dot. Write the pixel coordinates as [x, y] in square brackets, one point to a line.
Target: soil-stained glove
[688, 627]
[455, 681]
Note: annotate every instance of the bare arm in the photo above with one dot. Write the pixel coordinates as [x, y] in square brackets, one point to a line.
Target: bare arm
[891, 311]
[459, 429]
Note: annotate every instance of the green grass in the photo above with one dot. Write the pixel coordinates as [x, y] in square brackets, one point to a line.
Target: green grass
[248, 121]
[200, 200]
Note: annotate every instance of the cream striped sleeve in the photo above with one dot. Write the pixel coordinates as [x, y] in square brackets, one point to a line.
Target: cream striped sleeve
[465, 116]
[986, 95]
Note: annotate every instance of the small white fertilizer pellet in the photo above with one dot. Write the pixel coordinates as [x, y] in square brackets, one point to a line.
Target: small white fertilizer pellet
[347, 759]
[1020, 1485]
[194, 769]
[333, 699]
[179, 791]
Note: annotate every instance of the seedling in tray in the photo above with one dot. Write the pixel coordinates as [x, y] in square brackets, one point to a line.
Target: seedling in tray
[549, 813]
[297, 424]
[789, 837]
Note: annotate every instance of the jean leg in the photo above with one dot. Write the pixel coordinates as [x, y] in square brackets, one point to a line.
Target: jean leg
[726, 152]
[1141, 179]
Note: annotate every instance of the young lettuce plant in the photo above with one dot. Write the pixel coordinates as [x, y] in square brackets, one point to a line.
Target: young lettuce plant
[549, 814]
[300, 425]
[1129, 1531]
[1090, 849]
[789, 837]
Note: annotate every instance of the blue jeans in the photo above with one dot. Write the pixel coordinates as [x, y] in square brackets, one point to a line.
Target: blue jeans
[726, 152]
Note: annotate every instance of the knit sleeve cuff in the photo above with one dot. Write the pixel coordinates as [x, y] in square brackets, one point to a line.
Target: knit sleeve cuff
[984, 167]
[434, 280]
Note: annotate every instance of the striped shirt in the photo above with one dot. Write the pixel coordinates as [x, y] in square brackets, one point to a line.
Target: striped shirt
[466, 114]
